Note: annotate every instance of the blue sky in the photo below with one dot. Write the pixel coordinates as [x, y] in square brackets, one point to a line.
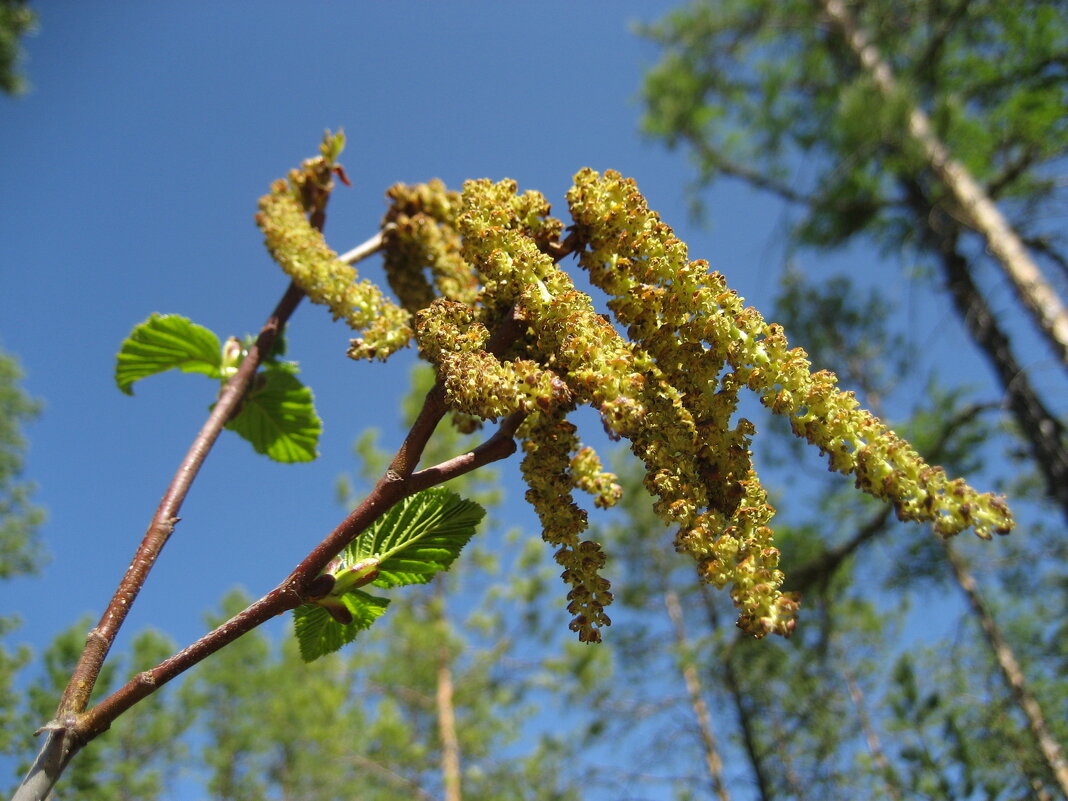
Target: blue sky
[132, 171]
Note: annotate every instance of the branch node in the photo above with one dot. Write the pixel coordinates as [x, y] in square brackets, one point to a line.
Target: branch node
[146, 679]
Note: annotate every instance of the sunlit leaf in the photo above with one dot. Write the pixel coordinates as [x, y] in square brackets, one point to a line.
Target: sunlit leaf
[165, 342]
[418, 537]
[279, 419]
[319, 634]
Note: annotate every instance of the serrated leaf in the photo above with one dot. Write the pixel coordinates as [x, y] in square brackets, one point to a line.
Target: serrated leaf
[165, 342]
[418, 537]
[319, 634]
[279, 419]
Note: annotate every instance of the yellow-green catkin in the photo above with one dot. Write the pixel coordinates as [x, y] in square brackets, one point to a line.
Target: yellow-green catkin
[710, 346]
[548, 442]
[305, 257]
[637, 258]
[467, 266]
[420, 235]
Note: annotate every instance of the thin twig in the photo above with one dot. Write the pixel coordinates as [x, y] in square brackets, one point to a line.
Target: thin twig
[69, 732]
[292, 592]
[363, 250]
[98, 643]
[66, 731]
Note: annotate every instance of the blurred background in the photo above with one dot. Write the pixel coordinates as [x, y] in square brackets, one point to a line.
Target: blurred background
[136, 140]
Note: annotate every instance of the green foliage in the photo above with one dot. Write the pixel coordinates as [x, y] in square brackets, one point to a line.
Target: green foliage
[756, 88]
[166, 342]
[277, 416]
[17, 19]
[334, 621]
[20, 552]
[140, 756]
[416, 539]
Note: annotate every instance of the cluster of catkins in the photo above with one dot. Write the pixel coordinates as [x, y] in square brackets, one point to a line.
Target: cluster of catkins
[464, 266]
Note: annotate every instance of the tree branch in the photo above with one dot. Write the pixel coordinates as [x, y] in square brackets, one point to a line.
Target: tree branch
[1043, 431]
[1011, 672]
[1036, 294]
[64, 731]
[293, 591]
[713, 760]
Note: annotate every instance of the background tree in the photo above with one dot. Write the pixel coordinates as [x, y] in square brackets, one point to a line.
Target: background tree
[16, 20]
[20, 519]
[785, 97]
[777, 95]
[20, 550]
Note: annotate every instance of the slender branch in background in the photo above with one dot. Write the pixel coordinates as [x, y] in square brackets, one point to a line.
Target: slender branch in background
[709, 155]
[1044, 433]
[450, 742]
[821, 568]
[980, 212]
[795, 787]
[1011, 671]
[713, 760]
[392, 777]
[1040, 791]
[875, 747]
[61, 743]
[734, 687]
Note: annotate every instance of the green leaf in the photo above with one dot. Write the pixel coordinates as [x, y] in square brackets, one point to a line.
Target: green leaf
[332, 145]
[319, 634]
[418, 537]
[415, 539]
[164, 342]
[278, 417]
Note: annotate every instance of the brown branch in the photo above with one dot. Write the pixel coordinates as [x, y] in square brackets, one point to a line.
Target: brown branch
[98, 643]
[757, 757]
[392, 777]
[444, 702]
[66, 732]
[434, 406]
[410, 451]
[875, 746]
[293, 591]
[822, 568]
[1011, 672]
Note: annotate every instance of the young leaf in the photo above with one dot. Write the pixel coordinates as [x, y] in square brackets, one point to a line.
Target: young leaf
[164, 342]
[279, 417]
[408, 545]
[418, 537]
[319, 634]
